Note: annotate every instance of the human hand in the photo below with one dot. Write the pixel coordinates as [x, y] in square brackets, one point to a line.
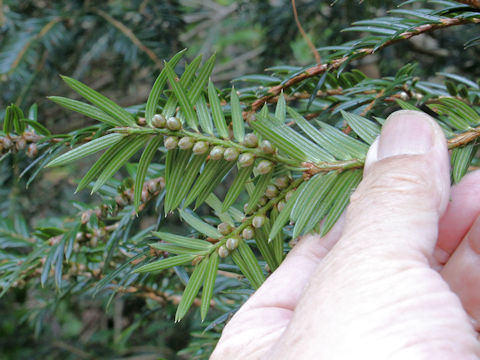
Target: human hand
[394, 279]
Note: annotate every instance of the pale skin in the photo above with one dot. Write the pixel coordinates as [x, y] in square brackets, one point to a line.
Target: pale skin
[398, 277]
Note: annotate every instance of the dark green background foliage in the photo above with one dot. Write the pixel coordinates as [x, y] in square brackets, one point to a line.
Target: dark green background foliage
[82, 276]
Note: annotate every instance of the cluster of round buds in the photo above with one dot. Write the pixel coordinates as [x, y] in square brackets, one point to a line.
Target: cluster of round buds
[149, 188]
[17, 143]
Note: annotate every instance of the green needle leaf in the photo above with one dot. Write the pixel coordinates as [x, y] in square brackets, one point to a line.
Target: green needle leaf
[185, 104]
[86, 109]
[143, 164]
[163, 264]
[158, 86]
[341, 192]
[199, 224]
[199, 83]
[191, 290]
[251, 261]
[266, 249]
[237, 186]
[367, 130]
[461, 160]
[86, 149]
[120, 158]
[104, 103]
[209, 283]
[204, 117]
[217, 112]
[260, 187]
[281, 109]
[238, 125]
[183, 241]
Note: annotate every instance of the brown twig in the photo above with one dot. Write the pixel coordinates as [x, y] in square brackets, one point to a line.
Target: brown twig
[336, 63]
[304, 34]
[129, 34]
[472, 3]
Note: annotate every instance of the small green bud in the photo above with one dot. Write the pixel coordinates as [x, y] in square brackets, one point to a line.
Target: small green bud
[289, 195]
[20, 144]
[246, 159]
[32, 150]
[186, 143]
[232, 243]
[248, 233]
[245, 207]
[251, 140]
[223, 252]
[258, 221]
[171, 142]
[217, 153]
[224, 228]
[271, 191]
[174, 123]
[263, 200]
[267, 147]
[282, 182]
[158, 121]
[200, 147]
[264, 167]
[280, 205]
[230, 154]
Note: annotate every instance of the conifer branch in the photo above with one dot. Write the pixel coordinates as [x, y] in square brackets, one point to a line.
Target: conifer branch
[336, 63]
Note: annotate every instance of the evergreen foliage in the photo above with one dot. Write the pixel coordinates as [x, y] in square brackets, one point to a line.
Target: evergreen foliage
[289, 144]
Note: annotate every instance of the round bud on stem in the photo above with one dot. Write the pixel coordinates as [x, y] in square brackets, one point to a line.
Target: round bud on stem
[171, 142]
[289, 195]
[264, 167]
[186, 143]
[282, 182]
[232, 243]
[20, 144]
[174, 123]
[258, 221]
[248, 233]
[251, 140]
[32, 150]
[246, 159]
[263, 200]
[271, 191]
[200, 147]
[280, 205]
[223, 252]
[230, 154]
[7, 143]
[217, 153]
[224, 228]
[159, 121]
[267, 147]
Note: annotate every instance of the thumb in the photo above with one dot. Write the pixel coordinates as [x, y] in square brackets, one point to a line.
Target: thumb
[405, 189]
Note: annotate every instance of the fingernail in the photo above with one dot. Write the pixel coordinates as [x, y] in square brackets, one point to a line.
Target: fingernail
[474, 236]
[406, 133]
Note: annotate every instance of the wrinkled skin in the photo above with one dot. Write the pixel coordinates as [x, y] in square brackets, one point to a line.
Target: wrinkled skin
[398, 277]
